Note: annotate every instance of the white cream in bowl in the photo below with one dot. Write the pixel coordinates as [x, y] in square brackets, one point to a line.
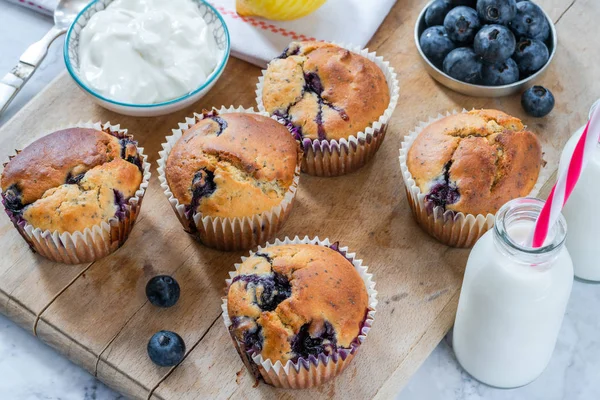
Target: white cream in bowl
[147, 51]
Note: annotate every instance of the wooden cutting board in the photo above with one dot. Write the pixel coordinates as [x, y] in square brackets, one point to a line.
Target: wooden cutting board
[97, 314]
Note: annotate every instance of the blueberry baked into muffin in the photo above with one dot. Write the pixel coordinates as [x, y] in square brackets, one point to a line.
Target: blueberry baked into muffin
[73, 180]
[471, 163]
[299, 303]
[233, 166]
[325, 92]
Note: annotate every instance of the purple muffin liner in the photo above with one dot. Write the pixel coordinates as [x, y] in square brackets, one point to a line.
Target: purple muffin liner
[312, 371]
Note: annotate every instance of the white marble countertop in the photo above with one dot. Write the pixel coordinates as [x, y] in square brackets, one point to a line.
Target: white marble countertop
[31, 370]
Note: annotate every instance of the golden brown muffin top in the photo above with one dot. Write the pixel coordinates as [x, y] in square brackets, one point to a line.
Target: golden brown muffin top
[297, 300]
[324, 90]
[475, 162]
[71, 179]
[232, 165]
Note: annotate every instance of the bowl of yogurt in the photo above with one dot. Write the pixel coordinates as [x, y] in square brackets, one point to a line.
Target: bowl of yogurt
[147, 57]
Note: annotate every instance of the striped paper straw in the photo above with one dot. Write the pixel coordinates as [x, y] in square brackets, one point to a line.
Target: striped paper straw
[568, 175]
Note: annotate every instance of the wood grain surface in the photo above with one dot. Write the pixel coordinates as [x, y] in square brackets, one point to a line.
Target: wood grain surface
[98, 316]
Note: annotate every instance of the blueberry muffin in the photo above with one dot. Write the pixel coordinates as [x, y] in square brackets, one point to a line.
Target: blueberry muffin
[475, 162]
[71, 180]
[462, 168]
[325, 91]
[233, 165]
[296, 302]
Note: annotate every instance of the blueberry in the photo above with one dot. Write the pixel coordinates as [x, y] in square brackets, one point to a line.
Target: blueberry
[436, 44]
[537, 101]
[494, 43]
[496, 11]
[221, 122]
[267, 290]
[73, 180]
[530, 22]
[12, 199]
[166, 348]
[463, 64]
[531, 55]
[436, 12]
[323, 342]
[468, 3]
[443, 191]
[499, 74]
[121, 204]
[162, 291]
[203, 185]
[462, 23]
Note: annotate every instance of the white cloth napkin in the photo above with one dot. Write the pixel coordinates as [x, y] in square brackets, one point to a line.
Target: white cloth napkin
[258, 40]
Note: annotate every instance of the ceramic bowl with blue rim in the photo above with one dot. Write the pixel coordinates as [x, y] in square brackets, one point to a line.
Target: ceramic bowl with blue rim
[71, 53]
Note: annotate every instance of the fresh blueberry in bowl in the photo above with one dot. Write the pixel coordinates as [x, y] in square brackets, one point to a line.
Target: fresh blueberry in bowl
[497, 11]
[468, 3]
[499, 74]
[166, 348]
[162, 291]
[461, 24]
[494, 43]
[537, 101]
[530, 22]
[436, 44]
[463, 64]
[436, 12]
[531, 55]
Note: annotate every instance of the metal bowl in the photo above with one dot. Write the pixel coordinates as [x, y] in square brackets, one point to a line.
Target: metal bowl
[479, 90]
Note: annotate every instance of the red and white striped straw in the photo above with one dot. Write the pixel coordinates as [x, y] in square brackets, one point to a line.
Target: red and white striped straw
[568, 175]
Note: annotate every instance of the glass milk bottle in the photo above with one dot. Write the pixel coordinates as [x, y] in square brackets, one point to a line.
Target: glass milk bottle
[513, 299]
[583, 215]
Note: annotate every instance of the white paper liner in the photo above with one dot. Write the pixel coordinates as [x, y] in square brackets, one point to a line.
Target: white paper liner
[452, 228]
[229, 234]
[101, 239]
[343, 156]
[305, 373]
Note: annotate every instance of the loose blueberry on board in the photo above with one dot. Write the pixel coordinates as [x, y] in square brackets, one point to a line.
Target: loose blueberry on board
[162, 291]
[503, 73]
[537, 101]
[436, 44]
[497, 11]
[530, 22]
[166, 348]
[436, 12]
[461, 24]
[494, 43]
[463, 64]
[531, 55]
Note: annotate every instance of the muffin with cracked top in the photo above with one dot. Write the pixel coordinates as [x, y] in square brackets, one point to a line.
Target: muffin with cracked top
[235, 167]
[469, 163]
[330, 96]
[304, 304]
[74, 181]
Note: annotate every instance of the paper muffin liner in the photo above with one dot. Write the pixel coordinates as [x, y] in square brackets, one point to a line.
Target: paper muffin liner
[229, 234]
[455, 229]
[306, 373]
[339, 157]
[99, 240]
